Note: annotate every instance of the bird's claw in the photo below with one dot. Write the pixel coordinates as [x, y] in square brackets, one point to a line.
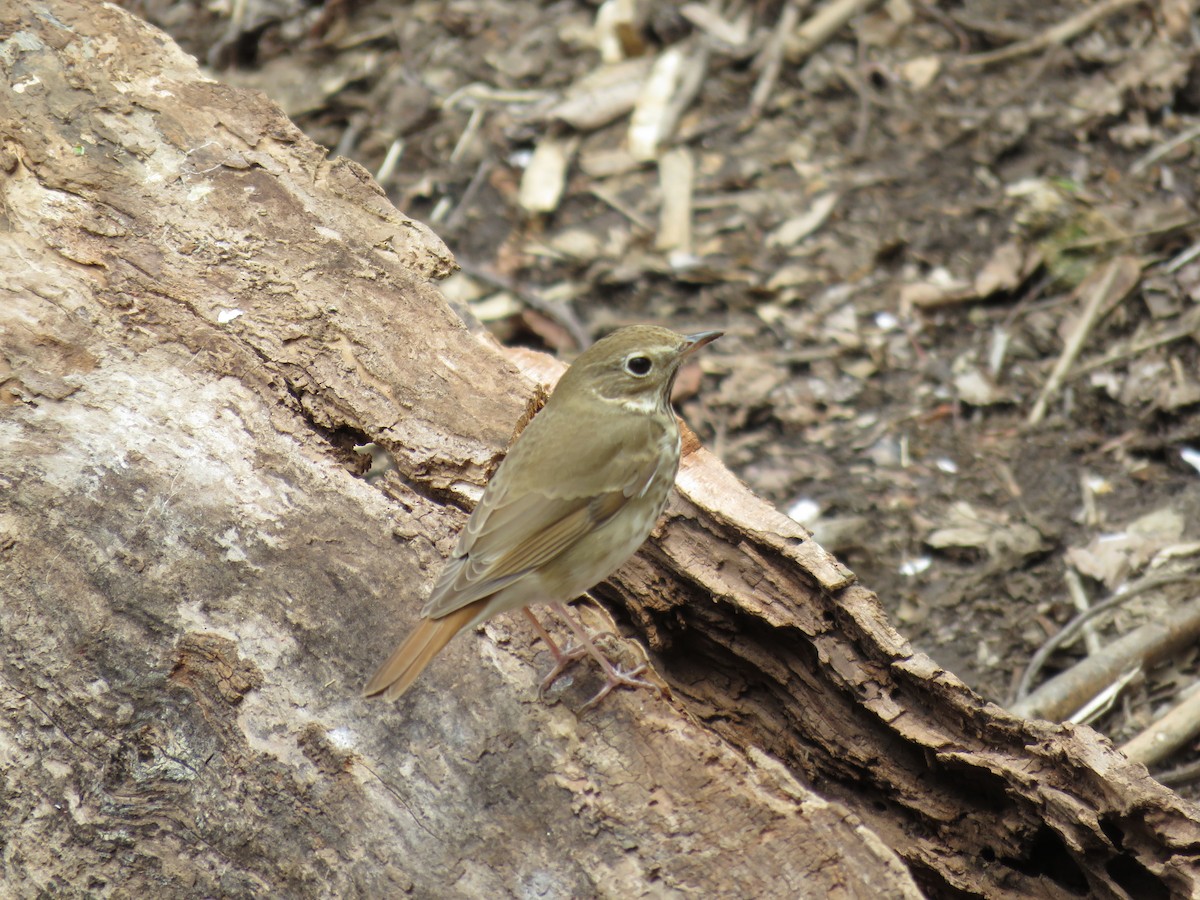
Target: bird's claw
[619, 678]
[586, 646]
[563, 660]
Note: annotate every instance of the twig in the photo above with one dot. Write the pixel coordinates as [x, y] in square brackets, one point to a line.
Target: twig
[1103, 701]
[770, 60]
[1184, 774]
[1124, 266]
[1172, 730]
[1183, 258]
[862, 121]
[1033, 703]
[468, 134]
[1184, 327]
[354, 129]
[930, 10]
[1079, 597]
[455, 218]
[557, 312]
[392, 159]
[1153, 156]
[813, 34]
[1127, 237]
[1071, 630]
[1144, 646]
[993, 29]
[605, 196]
[1061, 33]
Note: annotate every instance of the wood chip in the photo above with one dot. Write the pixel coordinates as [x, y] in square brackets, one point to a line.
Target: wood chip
[733, 33]
[675, 172]
[603, 95]
[796, 229]
[618, 30]
[546, 175]
[650, 122]
[919, 72]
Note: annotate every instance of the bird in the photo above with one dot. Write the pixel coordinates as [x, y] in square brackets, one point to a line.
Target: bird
[577, 494]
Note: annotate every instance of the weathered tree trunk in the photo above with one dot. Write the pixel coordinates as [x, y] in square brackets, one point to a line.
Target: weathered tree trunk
[199, 314]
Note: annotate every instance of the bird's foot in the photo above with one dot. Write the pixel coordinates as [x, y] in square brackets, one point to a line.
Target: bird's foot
[586, 646]
[563, 660]
[617, 677]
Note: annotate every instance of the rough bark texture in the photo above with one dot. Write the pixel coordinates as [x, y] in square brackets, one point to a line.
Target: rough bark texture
[199, 313]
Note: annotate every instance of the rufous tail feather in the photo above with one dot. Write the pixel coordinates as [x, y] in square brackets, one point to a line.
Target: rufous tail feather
[409, 660]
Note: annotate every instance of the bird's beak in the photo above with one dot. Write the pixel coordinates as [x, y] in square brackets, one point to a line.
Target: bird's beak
[693, 342]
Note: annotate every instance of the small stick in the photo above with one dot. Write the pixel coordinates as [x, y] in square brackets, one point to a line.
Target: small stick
[556, 312]
[770, 60]
[1091, 315]
[1184, 328]
[605, 196]
[1145, 162]
[1064, 31]
[1072, 629]
[1079, 597]
[825, 24]
[456, 215]
[1103, 701]
[1071, 690]
[388, 167]
[468, 134]
[1185, 774]
[1174, 729]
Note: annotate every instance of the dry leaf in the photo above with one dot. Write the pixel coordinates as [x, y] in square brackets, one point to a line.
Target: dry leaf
[1005, 271]
[991, 531]
[1112, 558]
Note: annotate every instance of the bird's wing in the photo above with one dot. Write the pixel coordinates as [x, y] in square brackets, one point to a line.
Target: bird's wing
[528, 517]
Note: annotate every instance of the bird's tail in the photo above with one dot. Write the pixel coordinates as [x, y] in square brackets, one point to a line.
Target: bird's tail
[410, 659]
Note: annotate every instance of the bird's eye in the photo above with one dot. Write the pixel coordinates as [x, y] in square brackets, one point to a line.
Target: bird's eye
[638, 365]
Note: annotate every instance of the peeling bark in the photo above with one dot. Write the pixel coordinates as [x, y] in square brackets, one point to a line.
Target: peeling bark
[200, 313]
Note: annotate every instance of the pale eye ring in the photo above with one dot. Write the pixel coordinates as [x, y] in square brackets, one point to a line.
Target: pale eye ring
[639, 365]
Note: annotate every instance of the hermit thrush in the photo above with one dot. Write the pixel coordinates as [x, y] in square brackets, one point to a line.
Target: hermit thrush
[578, 493]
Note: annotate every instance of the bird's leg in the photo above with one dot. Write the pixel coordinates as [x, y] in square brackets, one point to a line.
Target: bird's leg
[615, 676]
[579, 649]
[543, 634]
[562, 658]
